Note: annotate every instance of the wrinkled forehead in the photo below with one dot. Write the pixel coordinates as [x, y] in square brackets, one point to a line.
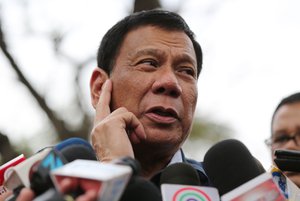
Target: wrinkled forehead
[146, 38]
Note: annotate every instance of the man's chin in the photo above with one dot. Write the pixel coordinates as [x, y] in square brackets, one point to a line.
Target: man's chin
[156, 145]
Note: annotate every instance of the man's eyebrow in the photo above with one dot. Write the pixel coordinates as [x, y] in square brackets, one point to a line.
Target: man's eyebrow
[159, 53]
[280, 131]
[296, 129]
[186, 58]
[147, 51]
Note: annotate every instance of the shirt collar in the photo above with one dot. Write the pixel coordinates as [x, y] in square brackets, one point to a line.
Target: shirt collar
[177, 158]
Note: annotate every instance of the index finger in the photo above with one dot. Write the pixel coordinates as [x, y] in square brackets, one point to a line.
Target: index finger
[102, 107]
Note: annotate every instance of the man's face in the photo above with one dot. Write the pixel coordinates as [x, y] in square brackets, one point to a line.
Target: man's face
[287, 123]
[155, 77]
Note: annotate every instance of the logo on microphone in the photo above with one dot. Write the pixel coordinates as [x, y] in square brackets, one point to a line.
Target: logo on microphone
[190, 194]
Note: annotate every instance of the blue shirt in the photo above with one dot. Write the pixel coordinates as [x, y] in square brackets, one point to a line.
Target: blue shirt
[180, 157]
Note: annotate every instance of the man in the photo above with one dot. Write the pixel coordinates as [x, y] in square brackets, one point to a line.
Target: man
[144, 91]
[285, 129]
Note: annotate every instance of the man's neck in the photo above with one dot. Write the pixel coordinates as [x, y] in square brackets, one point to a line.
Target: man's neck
[153, 162]
[150, 167]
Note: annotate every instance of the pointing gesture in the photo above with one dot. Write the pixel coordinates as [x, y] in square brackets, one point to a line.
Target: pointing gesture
[110, 137]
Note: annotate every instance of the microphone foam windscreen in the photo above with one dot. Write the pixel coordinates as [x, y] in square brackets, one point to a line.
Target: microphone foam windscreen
[69, 150]
[72, 141]
[78, 151]
[180, 173]
[141, 189]
[76, 148]
[229, 164]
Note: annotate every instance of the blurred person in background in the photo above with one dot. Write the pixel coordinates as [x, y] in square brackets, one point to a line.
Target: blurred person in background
[285, 130]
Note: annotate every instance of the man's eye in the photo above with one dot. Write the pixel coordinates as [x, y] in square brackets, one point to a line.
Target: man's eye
[188, 71]
[149, 62]
[283, 138]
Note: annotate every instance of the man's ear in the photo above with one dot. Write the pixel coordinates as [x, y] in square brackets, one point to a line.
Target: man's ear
[97, 79]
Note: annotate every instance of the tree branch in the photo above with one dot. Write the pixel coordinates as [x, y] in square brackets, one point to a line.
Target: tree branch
[58, 124]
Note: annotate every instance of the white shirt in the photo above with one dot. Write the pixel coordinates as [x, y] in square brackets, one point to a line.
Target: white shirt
[177, 158]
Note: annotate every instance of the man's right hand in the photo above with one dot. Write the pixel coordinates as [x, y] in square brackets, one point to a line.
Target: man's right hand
[109, 135]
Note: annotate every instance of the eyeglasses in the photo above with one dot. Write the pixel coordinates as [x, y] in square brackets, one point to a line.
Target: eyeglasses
[282, 139]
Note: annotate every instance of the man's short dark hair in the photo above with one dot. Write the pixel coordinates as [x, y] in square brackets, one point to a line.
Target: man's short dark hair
[293, 98]
[113, 39]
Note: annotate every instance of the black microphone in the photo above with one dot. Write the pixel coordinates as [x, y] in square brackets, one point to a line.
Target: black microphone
[137, 188]
[140, 189]
[287, 160]
[180, 181]
[229, 164]
[180, 173]
[130, 162]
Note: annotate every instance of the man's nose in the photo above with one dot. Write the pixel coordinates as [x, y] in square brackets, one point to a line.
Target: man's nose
[167, 83]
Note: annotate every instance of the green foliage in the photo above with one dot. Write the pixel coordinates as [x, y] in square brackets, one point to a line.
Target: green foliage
[205, 133]
[211, 130]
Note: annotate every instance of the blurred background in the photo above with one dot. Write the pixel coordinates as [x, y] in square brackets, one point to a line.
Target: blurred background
[48, 48]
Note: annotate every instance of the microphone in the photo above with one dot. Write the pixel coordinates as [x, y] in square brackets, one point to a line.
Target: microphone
[141, 189]
[287, 160]
[229, 164]
[107, 179]
[130, 162]
[35, 171]
[19, 174]
[137, 188]
[83, 184]
[114, 181]
[71, 142]
[180, 173]
[180, 181]
[5, 170]
[65, 152]
[237, 174]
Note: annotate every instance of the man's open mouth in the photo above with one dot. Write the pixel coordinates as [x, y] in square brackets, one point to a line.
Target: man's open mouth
[164, 112]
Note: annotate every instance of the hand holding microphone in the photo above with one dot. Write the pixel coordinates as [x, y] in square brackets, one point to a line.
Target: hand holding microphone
[34, 172]
[27, 194]
[86, 180]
